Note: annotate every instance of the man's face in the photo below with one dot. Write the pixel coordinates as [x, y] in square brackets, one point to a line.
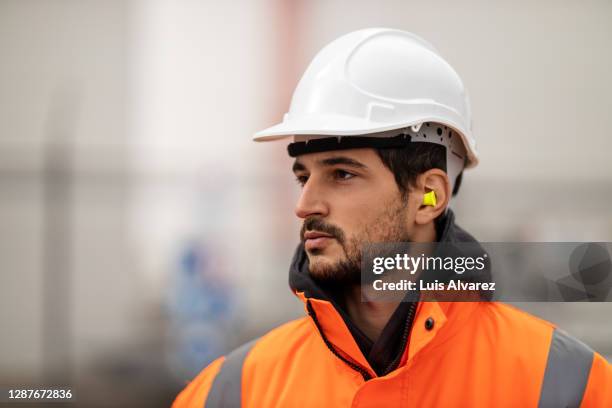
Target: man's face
[349, 197]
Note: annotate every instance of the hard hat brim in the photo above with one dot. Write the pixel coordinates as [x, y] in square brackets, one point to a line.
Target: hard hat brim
[340, 125]
[331, 125]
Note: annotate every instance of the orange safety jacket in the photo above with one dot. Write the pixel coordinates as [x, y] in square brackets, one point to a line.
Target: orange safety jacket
[463, 354]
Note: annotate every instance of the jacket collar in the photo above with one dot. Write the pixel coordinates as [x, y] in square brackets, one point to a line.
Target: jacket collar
[334, 322]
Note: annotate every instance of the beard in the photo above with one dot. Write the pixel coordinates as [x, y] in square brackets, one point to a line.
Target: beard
[389, 226]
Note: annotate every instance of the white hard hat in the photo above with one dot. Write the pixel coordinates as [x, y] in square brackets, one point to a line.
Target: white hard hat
[376, 80]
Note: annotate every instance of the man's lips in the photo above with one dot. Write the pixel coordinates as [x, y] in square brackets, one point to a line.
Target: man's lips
[316, 239]
[315, 234]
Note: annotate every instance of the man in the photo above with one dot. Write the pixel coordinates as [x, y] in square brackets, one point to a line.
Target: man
[381, 127]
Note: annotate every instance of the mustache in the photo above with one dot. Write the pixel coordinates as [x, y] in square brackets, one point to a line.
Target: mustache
[317, 224]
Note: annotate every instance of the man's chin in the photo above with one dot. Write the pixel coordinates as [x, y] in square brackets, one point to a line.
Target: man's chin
[319, 262]
[331, 271]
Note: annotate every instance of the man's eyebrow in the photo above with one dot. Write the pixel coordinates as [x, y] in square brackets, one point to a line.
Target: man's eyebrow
[343, 160]
[297, 166]
[331, 161]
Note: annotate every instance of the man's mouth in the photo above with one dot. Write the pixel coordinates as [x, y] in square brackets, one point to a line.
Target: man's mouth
[316, 240]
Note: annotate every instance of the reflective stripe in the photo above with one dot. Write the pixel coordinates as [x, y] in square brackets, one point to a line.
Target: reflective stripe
[226, 389]
[567, 372]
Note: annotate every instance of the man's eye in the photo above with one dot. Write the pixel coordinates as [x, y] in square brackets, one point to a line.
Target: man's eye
[343, 175]
[301, 180]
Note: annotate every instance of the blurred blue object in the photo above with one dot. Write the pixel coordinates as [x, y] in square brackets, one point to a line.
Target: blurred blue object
[202, 306]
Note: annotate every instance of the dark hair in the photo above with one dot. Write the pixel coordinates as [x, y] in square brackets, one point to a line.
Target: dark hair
[406, 163]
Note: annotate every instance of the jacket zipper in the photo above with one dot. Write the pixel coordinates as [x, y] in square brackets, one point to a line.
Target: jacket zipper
[364, 373]
[405, 336]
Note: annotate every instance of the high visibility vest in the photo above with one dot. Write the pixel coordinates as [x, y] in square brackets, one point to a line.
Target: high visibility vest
[480, 354]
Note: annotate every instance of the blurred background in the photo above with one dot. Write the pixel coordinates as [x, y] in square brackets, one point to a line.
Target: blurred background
[133, 204]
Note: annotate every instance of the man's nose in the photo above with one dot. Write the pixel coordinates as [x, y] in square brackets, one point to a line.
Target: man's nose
[311, 202]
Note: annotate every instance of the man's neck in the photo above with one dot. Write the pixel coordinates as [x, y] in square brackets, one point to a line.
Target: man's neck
[369, 317]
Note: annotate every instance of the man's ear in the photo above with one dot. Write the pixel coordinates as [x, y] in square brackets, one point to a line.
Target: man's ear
[437, 181]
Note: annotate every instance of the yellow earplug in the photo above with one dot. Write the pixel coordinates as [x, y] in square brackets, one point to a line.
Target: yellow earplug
[429, 198]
